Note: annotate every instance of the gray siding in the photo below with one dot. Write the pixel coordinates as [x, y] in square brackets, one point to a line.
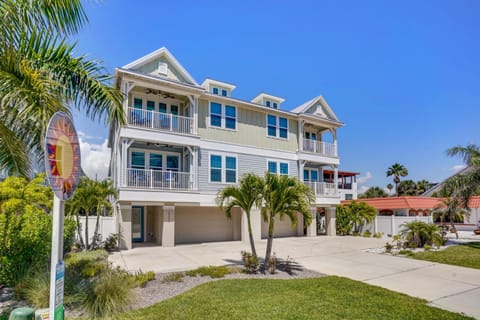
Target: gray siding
[246, 163]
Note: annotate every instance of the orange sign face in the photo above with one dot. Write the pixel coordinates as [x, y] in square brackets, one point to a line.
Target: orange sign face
[62, 156]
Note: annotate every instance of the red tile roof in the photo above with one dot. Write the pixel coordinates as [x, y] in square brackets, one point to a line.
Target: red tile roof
[410, 202]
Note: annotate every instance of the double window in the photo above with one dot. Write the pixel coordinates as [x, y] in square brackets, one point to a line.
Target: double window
[154, 161]
[277, 167]
[277, 127]
[223, 168]
[223, 116]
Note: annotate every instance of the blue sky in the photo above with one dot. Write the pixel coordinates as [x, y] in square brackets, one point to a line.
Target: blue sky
[404, 76]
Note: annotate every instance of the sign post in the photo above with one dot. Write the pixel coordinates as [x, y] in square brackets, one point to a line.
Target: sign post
[63, 167]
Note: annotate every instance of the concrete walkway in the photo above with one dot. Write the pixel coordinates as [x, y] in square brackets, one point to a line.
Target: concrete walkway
[448, 287]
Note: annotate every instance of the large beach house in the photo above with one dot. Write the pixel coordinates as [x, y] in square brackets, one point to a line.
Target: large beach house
[184, 141]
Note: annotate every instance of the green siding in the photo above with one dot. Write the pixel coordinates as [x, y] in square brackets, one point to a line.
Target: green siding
[251, 130]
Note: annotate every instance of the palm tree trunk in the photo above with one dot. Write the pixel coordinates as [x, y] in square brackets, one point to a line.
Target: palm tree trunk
[250, 235]
[396, 188]
[79, 230]
[95, 233]
[86, 230]
[269, 242]
[453, 226]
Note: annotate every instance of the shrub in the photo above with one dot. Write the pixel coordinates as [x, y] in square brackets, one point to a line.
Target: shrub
[111, 243]
[140, 278]
[173, 277]
[211, 271]
[37, 292]
[404, 252]
[419, 233]
[388, 247]
[272, 264]
[378, 235]
[343, 220]
[250, 262]
[427, 247]
[367, 234]
[107, 295]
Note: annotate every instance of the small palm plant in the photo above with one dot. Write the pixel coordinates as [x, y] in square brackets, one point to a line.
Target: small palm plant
[361, 213]
[247, 195]
[420, 233]
[451, 210]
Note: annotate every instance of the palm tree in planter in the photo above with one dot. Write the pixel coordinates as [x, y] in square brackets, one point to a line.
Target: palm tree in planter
[397, 170]
[451, 209]
[284, 196]
[246, 195]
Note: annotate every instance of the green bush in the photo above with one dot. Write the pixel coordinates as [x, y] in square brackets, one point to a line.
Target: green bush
[211, 271]
[37, 292]
[111, 243]
[419, 233]
[388, 247]
[107, 295]
[173, 277]
[378, 235]
[367, 234]
[427, 247]
[250, 262]
[140, 278]
[404, 252]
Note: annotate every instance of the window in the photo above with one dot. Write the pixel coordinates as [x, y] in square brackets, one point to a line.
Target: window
[348, 196]
[224, 92]
[275, 105]
[223, 116]
[215, 168]
[215, 90]
[230, 117]
[310, 175]
[156, 161]
[137, 103]
[215, 114]
[162, 107]
[277, 127]
[277, 167]
[138, 160]
[267, 103]
[150, 105]
[223, 169]
[172, 163]
[174, 110]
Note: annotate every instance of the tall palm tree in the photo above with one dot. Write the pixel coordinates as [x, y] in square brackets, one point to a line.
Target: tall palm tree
[422, 186]
[397, 170]
[284, 196]
[246, 195]
[407, 188]
[470, 154]
[451, 209]
[373, 192]
[40, 75]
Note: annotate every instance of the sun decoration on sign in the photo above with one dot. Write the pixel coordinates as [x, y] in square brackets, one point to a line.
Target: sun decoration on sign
[62, 161]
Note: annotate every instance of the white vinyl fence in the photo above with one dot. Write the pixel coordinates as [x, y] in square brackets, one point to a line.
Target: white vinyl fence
[105, 228]
[391, 225]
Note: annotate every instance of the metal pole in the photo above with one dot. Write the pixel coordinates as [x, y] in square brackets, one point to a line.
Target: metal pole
[57, 249]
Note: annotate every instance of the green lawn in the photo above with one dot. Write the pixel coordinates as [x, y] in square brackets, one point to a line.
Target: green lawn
[464, 255]
[319, 298]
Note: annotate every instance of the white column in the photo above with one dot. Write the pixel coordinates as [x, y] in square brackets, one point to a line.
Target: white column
[331, 221]
[312, 228]
[375, 224]
[335, 147]
[301, 167]
[125, 228]
[300, 135]
[195, 115]
[393, 225]
[195, 168]
[168, 232]
[256, 221]
[335, 178]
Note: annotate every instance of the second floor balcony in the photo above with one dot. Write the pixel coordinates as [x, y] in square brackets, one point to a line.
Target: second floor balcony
[159, 121]
[158, 179]
[322, 189]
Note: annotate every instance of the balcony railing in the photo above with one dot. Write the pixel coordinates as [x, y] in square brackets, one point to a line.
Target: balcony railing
[159, 121]
[322, 188]
[158, 179]
[321, 147]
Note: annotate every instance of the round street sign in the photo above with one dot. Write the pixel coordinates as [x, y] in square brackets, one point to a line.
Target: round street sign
[62, 156]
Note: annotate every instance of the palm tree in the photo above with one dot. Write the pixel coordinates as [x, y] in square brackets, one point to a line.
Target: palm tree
[389, 187]
[407, 188]
[361, 213]
[470, 154]
[373, 192]
[397, 170]
[451, 209]
[104, 192]
[284, 196]
[422, 186]
[421, 233]
[245, 196]
[40, 75]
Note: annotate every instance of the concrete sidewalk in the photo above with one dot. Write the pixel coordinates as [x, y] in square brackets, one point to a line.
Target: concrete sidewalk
[453, 288]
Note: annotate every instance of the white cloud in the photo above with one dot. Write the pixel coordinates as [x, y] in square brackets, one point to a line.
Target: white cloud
[365, 178]
[458, 167]
[362, 189]
[83, 135]
[95, 159]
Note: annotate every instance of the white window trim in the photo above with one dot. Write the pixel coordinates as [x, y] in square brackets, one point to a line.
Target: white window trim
[223, 168]
[223, 116]
[277, 127]
[146, 97]
[147, 153]
[278, 166]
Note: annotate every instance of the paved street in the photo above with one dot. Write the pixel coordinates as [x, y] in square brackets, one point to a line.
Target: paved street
[449, 287]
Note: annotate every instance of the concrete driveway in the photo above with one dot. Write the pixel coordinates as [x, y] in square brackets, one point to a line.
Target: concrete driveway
[448, 287]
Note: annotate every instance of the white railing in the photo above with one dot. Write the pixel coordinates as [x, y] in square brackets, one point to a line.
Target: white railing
[322, 188]
[158, 179]
[159, 120]
[321, 147]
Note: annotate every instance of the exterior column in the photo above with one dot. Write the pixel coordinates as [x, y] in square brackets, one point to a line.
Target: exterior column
[300, 135]
[393, 225]
[195, 115]
[312, 228]
[256, 221]
[335, 178]
[195, 168]
[124, 220]
[168, 232]
[375, 224]
[331, 221]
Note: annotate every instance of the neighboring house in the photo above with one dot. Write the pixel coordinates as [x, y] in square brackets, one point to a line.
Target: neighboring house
[436, 187]
[185, 141]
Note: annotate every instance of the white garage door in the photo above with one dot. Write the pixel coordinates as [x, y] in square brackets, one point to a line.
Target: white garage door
[195, 224]
[282, 228]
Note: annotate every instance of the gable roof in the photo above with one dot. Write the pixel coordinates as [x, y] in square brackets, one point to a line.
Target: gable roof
[156, 55]
[437, 187]
[305, 107]
[258, 99]
[209, 81]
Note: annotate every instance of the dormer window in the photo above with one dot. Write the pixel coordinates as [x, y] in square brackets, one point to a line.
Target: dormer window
[275, 105]
[267, 103]
[224, 93]
[215, 90]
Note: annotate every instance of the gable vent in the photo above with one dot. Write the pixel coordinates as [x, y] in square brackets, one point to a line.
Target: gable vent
[162, 68]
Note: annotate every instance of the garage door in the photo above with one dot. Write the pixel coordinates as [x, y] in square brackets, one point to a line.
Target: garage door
[205, 224]
[282, 228]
